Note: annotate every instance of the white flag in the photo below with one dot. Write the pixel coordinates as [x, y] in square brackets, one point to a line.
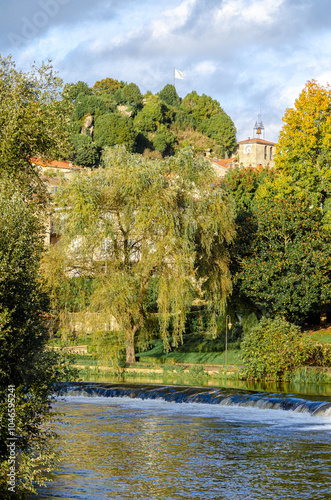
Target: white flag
[179, 74]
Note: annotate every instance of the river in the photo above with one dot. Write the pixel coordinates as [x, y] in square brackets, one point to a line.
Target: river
[126, 441]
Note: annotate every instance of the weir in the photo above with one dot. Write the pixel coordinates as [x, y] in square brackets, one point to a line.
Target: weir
[203, 395]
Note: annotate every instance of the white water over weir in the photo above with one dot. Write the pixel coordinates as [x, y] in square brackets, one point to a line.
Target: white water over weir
[202, 395]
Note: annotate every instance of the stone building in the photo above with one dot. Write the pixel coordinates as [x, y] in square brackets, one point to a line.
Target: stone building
[254, 152]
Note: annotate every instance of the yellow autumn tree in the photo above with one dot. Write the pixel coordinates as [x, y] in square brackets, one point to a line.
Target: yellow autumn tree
[304, 148]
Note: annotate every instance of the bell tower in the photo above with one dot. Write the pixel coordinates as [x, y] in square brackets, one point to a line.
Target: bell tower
[258, 130]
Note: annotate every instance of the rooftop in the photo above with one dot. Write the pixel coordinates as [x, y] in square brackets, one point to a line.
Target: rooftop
[54, 164]
[255, 140]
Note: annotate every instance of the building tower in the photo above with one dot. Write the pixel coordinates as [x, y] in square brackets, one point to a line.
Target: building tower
[258, 130]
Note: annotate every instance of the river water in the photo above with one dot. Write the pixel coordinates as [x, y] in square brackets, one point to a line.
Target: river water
[122, 441]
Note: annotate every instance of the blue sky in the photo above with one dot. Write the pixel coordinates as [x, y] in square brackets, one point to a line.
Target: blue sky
[247, 54]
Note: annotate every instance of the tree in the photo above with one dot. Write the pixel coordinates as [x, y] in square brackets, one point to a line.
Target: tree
[86, 152]
[107, 86]
[136, 222]
[33, 120]
[169, 95]
[164, 140]
[273, 348]
[285, 259]
[92, 104]
[132, 95]
[221, 128]
[112, 128]
[198, 108]
[27, 370]
[72, 90]
[303, 150]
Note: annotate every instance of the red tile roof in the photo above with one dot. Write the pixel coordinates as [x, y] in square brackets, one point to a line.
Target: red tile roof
[257, 141]
[54, 163]
[225, 163]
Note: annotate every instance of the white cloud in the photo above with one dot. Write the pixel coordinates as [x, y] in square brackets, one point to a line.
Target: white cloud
[172, 19]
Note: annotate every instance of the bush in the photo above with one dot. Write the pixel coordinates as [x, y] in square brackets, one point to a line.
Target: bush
[273, 348]
[321, 355]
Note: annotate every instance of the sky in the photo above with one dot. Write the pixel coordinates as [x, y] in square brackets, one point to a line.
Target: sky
[251, 56]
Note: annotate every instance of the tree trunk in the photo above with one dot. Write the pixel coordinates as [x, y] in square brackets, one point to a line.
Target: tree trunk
[130, 351]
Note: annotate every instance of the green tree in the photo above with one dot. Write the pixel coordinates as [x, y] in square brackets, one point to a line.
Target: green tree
[132, 95]
[153, 114]
[138, 221]
[169, 95]
[112, 128]
[26, 366]
[164, 140]
[72, 90]
[92, 104]
[198, 108]
[284, 259]
[273, 348]
[221, 128]
[33, 120]
[86, 153]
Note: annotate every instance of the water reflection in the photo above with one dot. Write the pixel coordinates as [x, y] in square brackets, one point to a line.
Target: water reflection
[285, 387]
[121, 448]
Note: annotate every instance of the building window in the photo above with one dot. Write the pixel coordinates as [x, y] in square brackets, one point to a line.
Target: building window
[271, 153]
[265, 152]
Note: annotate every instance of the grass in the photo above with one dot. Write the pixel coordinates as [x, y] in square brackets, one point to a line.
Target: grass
[323, 336]
[157, 355]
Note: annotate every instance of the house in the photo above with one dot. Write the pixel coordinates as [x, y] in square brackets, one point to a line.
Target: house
[222, 166]
[49, 167]
[53, 173]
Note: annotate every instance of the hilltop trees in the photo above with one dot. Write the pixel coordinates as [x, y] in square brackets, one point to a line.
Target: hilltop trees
[138, 224]
[119, 114]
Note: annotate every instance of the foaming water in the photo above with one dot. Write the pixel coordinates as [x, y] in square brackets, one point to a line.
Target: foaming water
[128, 446]
[204, 395]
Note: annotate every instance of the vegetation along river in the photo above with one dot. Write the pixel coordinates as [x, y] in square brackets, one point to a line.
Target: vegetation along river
[135, 441]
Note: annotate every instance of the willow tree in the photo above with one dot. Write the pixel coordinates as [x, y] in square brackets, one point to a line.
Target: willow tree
[138, 222]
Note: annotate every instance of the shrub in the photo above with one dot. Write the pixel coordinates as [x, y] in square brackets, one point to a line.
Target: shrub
[321, 355]
[273, 348]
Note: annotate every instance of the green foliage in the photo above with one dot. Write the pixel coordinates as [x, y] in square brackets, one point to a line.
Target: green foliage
[304, 145]
[107, 86]
[132, 95]
[284, 267]
[114, 129]
[169, 95]
[33, 120]
[86, 153]
[153, 114]
[72, 90]
[199, 108]
[243, 183]
[84, 104]
[164, 140]
[273, 348]
[24, 362]
[137, 220]
[321, 355]
[221, 128]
